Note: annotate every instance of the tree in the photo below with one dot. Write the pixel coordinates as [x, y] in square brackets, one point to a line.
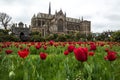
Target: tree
[5, 19]
[116, 36]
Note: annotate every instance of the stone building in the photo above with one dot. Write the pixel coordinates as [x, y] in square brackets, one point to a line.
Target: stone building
[58, 23]
[21, 30]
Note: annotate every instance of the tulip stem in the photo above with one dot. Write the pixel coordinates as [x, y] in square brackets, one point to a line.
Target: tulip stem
[111, 70]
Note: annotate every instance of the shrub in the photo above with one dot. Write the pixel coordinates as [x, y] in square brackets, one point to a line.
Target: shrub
[36, 38]
[116, 36]
[4, 38]
[61, 37]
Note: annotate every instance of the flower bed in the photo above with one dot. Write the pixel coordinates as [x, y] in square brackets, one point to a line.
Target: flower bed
[59, 60]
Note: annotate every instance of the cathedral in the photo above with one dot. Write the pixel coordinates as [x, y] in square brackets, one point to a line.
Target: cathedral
[58, 23]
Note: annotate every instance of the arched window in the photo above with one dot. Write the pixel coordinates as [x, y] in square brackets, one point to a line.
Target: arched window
[60, 25]
[22, 36]
[78, 28]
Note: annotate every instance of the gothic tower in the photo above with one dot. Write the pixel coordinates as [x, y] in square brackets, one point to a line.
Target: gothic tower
[49, 8]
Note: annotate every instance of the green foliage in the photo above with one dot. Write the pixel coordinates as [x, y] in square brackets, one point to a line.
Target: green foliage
[58, 66]
[90, 37]
[4, 38]
[35, 33]
[36, 38]
[116, 36]
[5, 32]
[61, 37]
[71, 36]
[50, 37]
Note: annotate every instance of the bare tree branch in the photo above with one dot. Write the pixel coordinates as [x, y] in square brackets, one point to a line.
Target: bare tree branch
[5, 19]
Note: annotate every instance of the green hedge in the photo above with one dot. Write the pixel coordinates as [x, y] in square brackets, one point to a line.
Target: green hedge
[4, 38]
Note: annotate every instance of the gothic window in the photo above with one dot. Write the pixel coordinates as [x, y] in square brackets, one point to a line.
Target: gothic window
[60, 25]
[80, 28]
[43, 22]
[77, 27]
[39, 23]
[33, 22]
[43, 32]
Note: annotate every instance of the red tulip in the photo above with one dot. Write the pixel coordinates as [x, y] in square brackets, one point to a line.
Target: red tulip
[45, 47]
[26, 49]
[71, 48]
[111, 56]
[43, 55]
[0, 50]
[92, 46]
[102, 44]
[66, 52]
[38, 46]
[23, 53]
[81, 54]
[105, 58]
[21, 47]
[91, 53]
[51, 42]
[106, 49]
[8, 51]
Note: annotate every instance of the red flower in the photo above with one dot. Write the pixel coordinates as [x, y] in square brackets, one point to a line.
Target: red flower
[43, 55]
[21, 47]
[55, 45]
[23, 53]
[38, 46]
[51, 42]
[26, 49]
[45, 47]
[0, 50]
[92, 46]
[8, 51]
[111, 56]
[66, 52]
[105, 58]
[102, 44]
[91, 53]
[106, 49]
[71, 48]
[81, 54]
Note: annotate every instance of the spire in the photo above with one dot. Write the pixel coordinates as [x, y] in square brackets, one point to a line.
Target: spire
[82, 18]
[34, 16]
[49, 8]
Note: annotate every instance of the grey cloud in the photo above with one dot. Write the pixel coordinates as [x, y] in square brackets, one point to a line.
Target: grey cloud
[17, 2]
[104, 27]
[113, 17]
[99, 27]
[103, 14]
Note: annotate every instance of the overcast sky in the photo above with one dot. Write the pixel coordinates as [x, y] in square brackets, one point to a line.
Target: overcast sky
[103, 14]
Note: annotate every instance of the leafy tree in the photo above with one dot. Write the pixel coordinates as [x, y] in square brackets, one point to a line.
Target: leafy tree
[90, 37]
[116, 36]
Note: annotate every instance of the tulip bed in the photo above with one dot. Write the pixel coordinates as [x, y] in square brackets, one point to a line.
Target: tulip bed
[59, 61]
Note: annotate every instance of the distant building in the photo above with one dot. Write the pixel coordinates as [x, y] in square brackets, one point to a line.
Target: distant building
[58, 23]
[20, 30]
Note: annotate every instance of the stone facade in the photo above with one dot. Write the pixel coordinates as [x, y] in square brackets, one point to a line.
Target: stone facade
[20, 30]
[58, 23]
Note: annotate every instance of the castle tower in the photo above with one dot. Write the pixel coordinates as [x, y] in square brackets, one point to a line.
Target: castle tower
[49, 8]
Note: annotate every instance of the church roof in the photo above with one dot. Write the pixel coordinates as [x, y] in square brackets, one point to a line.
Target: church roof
[43, 15]
[72, 19]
